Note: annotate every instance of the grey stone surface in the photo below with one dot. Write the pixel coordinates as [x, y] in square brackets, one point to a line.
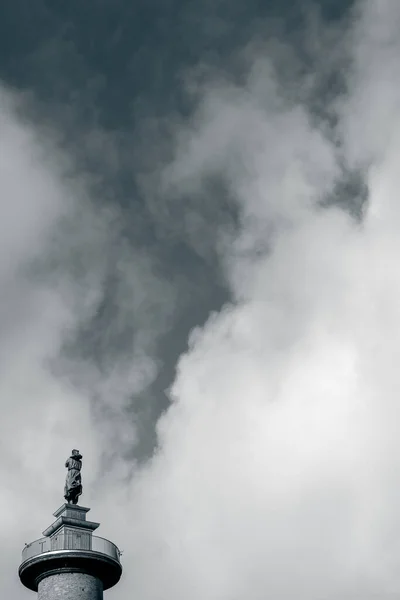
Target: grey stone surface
[73, 515]
[70, 586]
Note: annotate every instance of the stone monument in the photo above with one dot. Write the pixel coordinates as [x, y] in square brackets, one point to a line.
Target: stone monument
[69, 562]
[73, 482]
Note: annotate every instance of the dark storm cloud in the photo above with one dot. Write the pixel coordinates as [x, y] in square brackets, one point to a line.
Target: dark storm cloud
[99, 74]
[109, 77]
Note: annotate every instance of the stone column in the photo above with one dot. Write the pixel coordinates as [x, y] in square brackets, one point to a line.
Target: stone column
[70, 586]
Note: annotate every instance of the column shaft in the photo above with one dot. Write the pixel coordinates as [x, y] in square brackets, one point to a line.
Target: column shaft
[70, 586]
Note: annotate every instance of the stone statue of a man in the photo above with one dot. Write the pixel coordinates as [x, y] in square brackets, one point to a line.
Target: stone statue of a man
[73, 482]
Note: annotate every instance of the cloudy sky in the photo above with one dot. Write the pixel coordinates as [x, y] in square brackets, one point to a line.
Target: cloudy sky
[200, 290]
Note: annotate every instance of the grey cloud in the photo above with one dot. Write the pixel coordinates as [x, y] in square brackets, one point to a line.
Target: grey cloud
[58, 249]
[276, 466]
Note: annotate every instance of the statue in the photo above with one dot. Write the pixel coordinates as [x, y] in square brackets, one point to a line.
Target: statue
[73, 482]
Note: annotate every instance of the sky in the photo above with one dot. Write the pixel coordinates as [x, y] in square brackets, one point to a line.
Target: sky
[200, 290]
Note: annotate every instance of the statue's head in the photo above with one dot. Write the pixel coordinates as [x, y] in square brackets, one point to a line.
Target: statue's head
[74, 452]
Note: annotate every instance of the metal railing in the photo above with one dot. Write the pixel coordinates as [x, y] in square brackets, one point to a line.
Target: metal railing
[76, 543]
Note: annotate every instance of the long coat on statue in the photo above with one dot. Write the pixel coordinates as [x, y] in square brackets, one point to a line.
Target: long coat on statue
[73, 482]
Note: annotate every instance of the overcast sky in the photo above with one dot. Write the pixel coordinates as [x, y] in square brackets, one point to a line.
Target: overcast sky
[200, 290]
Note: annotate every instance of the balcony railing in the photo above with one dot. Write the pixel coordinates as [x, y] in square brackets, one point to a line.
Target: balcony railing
[76, 543]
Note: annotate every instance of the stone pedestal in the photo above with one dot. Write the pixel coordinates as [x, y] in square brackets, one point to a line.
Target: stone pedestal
[69, 563]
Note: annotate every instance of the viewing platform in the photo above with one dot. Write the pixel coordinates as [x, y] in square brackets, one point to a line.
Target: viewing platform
[63, 542]
[69, 546]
